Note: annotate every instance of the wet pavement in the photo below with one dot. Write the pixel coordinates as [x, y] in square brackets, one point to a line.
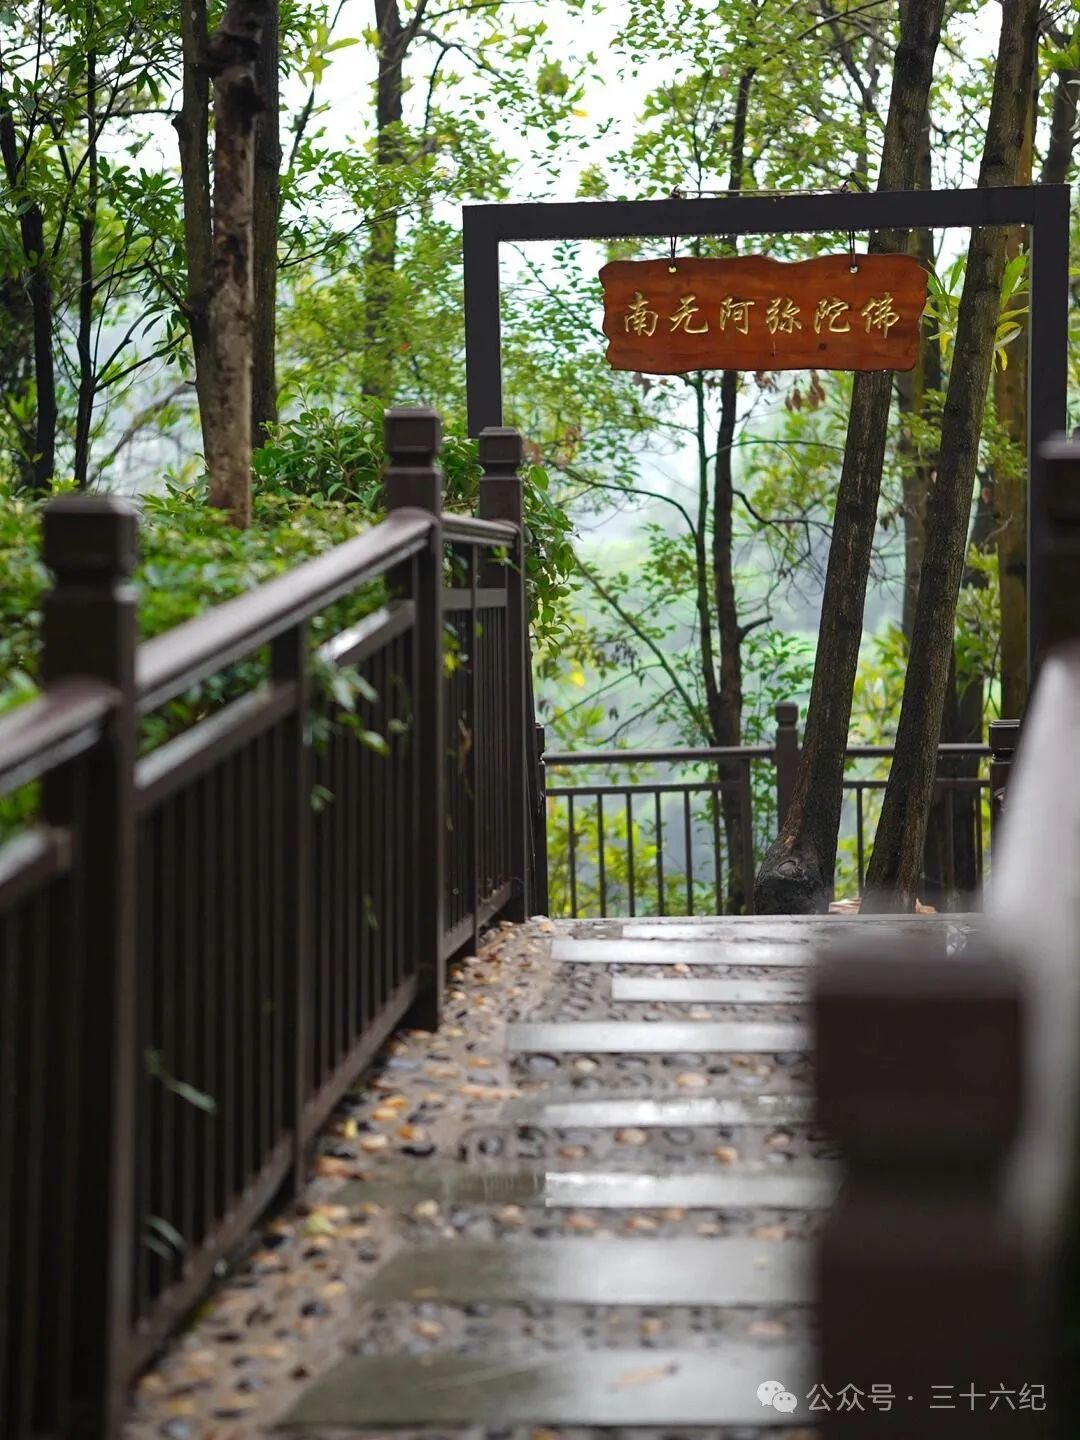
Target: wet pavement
[587, 1204]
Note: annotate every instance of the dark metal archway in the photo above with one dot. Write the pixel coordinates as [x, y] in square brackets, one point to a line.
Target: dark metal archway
[1044, 209]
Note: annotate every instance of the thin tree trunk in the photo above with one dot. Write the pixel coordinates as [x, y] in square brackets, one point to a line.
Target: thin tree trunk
[193, 131]
[227, 426]
[87, 229]
[726, 711]
[727, 723]
[39, 291]
[377, 374]
[1063, 118]
[912, 386]
[893, 872]
[17, 373]
[267, 209]
[1010, 401]
[797, 872]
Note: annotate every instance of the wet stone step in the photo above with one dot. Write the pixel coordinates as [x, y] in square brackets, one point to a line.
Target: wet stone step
[709, 992]
[801, 929]
[810, 1185]
[582, 1387]
[681, 952]
[618, 1112]
[601, 1272]
[612, 1037]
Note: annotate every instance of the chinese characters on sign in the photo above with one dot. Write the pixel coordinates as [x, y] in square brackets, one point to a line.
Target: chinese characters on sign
[751, 313]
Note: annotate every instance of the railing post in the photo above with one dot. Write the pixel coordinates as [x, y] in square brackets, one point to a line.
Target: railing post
[921, 1273]
[1004, 736]
[289, 666]
[1054, 549]
[502, 498]
[412, 480]
[787, 756]
[88, 629]
[539, 901]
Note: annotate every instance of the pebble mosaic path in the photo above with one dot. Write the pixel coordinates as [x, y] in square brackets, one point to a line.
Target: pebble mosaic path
[585, 1206]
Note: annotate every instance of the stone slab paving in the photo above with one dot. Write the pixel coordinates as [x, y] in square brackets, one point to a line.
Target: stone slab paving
[617, 1113]
[748, 1185]
[608, 1388]
[459, 1147]
[682, 951]
[602, 1272]
[711, 992]
[632, 1038]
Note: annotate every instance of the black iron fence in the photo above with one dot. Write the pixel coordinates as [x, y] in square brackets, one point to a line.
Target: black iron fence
[200, 949]
[625, 840]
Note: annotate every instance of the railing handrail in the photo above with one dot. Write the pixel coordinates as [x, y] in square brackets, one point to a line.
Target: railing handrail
[1035, 909]
[946, 750]
[469, 530]
[62, 722]
[170, 663]
[642, 757]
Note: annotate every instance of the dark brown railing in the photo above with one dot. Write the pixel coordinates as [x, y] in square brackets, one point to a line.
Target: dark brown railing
[597, 830]
[200, 949]
[948, 1075]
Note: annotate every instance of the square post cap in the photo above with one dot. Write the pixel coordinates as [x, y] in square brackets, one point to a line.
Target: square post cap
[501, 449]
[412, 435]
[90, 537]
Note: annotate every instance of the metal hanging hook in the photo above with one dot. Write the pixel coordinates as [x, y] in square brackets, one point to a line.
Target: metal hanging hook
[672, 267]
[852, 262]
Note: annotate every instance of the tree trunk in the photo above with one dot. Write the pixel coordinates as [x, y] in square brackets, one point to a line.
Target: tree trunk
[227, 426]
[193, 130]
[893, 872]
[17, 374]
[377, 374]
[727, 719]
[912, 386]
[39, 291]
[1010, 401]
[267, 209]
[797, 872]
[84, 417]
[1063, 118]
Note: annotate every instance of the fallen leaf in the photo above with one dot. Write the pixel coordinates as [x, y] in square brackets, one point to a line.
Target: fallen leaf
[632, 1135]
[349, 1130]
[766, 1329]
[642, 1223]
[330, 1165]
[428, 1329]
[318, 1225]
[372, 1143]
[770, 1232]
[726, 1154]
[426, 1209]
[645, 1376]
[414, 1133]
[581, 1222]
[480, 1062]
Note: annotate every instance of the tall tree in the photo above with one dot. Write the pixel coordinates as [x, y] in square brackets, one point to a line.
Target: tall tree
[231, 55]
[796, 873]
[893, 872]
[16, 151]
[267, 205]
[1010, 396]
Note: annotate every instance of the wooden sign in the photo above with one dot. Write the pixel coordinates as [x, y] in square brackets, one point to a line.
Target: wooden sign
[666, 317]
